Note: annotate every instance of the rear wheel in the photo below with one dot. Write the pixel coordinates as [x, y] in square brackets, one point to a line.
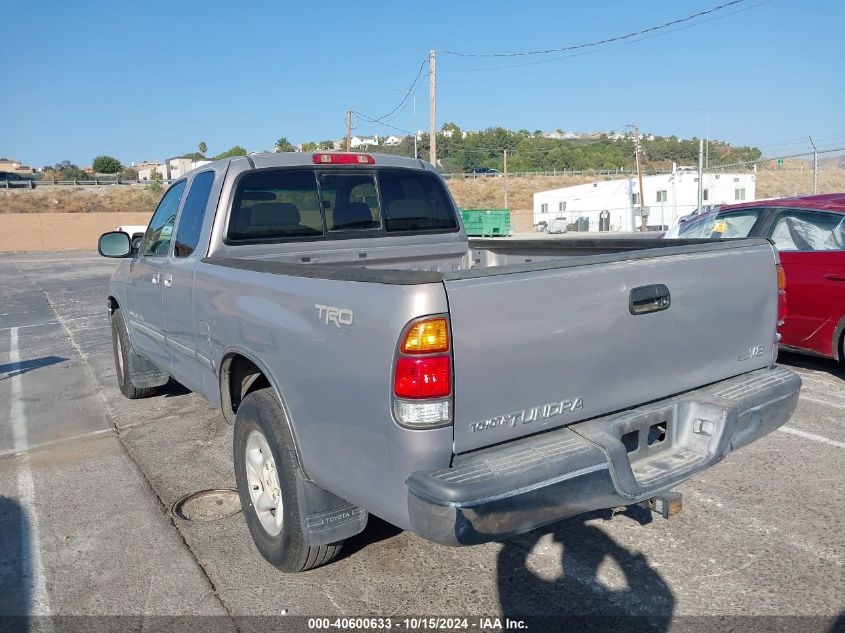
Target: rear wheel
[265, 470]
[122, 362]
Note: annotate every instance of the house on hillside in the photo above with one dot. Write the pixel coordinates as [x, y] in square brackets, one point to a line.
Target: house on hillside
[667, 198]
[14, 165]
[392, 141]
[364, 141]
[146, 168]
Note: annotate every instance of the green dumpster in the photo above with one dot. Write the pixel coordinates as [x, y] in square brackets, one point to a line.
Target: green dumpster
[486, 222]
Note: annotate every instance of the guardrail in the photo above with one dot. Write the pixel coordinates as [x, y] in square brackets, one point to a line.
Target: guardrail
[555, 172]
[96, 182]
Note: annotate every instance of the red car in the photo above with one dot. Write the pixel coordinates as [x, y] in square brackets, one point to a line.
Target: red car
[809, 232]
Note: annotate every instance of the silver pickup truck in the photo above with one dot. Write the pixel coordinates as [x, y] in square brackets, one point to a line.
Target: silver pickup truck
[372, 360]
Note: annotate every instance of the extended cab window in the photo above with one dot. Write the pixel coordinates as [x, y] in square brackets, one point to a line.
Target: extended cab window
[276, 204]
[160, 230]
[804, 230]
[193, 211]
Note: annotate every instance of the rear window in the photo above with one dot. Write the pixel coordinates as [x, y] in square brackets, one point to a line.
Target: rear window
[283, 205]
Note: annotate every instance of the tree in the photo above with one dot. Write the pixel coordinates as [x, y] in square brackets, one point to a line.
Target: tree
[323, 145]
[203, 148]
[283, 145]
[237, 150]
[309, 147]
[106, 165]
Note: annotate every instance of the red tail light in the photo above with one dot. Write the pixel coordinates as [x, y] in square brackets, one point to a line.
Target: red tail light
[337, 158]
[781, 295]
[422, 379]
[428, 377]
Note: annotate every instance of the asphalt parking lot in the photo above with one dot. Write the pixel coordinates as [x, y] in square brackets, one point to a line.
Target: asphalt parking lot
[87, 480]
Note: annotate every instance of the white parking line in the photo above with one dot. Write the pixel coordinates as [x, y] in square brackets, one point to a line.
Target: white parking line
[31, 448]
[824, 402]
[30, 535]
[811, 436]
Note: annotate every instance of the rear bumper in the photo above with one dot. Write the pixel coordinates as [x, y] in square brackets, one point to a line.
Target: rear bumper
[601, 463]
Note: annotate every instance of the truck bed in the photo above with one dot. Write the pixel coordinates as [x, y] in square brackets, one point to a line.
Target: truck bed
[544, 332]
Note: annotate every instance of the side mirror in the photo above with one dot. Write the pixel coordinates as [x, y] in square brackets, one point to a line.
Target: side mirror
[114, 244]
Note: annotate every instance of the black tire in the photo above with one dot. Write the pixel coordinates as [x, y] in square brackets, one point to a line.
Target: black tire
[122, 350]
[288, 551]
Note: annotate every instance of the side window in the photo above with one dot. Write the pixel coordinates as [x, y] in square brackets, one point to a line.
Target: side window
[160, 229]
[193, 211]
[735, 223]
[276, 204]
[724, 225]
[797, 230]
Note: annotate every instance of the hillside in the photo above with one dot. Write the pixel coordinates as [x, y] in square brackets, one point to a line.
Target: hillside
[469, 193]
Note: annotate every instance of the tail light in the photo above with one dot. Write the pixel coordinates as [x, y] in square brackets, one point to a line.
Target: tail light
[337, 158]
[781, 295]
[422, 376]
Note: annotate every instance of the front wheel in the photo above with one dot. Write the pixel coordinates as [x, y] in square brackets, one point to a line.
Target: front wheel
[122, 362]
[265, 471]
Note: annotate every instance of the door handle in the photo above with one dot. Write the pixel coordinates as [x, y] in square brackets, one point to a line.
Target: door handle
[156, 278]
[835, 277]
[653, 298]
[168, 280]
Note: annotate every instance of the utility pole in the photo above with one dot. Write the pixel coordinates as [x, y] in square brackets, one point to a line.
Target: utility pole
[700, 174]
[815, 167]
[643, 217]
[506, 179]
[432, 107]
[348, 130]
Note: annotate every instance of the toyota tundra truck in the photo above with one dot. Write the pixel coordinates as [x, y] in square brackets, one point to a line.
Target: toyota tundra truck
[372, 360]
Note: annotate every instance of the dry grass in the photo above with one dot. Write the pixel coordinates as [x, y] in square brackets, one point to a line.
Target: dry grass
[123, 199]
[472, 193]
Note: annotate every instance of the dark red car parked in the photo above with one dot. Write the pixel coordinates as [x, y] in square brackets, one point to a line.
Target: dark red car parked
[809, 232]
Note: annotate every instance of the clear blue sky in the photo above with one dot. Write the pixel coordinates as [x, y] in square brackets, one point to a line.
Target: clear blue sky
[149, 80]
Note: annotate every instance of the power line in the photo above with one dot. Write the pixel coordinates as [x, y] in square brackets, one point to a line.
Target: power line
[608, 40]
[405, 98]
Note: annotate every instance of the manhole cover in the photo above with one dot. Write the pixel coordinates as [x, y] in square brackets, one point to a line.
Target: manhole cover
[208, 505]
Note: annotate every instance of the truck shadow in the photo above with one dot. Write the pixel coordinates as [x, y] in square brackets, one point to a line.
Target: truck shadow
[815, 363]
[15, 572]
[626, 594]
[16, 369]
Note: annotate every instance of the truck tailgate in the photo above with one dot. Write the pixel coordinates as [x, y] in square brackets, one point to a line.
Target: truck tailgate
[539, 349]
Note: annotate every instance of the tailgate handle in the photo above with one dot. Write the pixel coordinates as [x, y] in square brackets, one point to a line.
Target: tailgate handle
[653, 298]
[835, 277]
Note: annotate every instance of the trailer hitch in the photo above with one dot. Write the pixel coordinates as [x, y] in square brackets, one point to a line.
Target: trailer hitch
[667, 505]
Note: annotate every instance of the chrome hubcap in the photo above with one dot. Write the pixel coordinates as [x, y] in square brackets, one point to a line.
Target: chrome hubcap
[263, 481]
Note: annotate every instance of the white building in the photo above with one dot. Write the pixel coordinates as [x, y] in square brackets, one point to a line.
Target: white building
[667, 198]
[180, 166]
[362, 141]
[392, 141]
[146, 169]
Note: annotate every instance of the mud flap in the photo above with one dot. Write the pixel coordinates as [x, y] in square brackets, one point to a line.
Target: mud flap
[326, 518]
[145, 374]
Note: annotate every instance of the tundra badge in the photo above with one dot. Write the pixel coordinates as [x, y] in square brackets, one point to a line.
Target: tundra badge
[751, 352]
